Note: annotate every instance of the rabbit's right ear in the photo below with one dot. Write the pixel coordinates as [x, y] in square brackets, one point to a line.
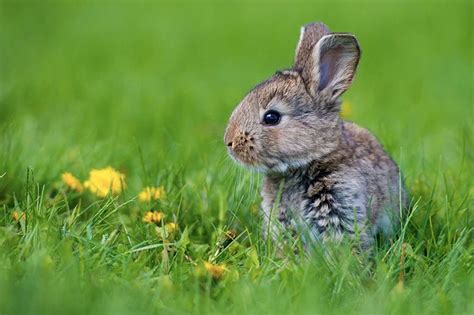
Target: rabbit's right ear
[331, 65]
[336, 57]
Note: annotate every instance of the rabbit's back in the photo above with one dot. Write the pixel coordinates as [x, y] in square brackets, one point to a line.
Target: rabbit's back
[380, 174]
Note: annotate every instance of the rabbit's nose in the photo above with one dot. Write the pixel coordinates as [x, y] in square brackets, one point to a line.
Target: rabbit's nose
[229, 136]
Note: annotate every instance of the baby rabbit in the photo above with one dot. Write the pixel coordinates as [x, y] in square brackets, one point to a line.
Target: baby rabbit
[324, 176]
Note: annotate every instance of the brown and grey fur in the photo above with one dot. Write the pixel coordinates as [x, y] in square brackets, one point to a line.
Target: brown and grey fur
[329, 176]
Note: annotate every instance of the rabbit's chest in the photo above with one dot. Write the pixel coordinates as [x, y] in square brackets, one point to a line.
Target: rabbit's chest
[321, 204]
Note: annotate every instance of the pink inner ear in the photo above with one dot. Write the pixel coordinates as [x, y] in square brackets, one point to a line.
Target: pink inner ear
[328, 66]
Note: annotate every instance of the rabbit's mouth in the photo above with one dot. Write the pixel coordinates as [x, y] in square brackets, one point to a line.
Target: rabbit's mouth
[241, 147]
[243, 156]
[253, 166]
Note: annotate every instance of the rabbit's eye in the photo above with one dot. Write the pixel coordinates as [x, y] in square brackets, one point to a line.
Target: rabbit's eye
[272, 117]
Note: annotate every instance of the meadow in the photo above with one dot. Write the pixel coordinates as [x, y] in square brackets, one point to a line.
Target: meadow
[146, 88]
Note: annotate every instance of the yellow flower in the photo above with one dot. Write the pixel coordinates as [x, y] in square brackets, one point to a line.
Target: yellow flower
[104, 181]
[167, 231]
[16, 216]
[216, 271]
[153, 217]
[72, 182]
[254, 209]
[346, 110]
[398, 289]
[230, 234]
[151, 193]
[171, 227]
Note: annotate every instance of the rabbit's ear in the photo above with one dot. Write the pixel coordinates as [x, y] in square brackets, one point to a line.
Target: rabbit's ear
[335, 58]
[309, 36]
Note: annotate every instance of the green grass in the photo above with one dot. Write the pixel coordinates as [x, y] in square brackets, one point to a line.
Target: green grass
[147, 89]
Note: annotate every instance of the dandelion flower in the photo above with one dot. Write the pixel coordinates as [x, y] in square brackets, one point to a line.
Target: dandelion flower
[230, 234]
[72, 182]
[346, 110]
[254, 209]
[16, 216]
[171, 227]
[398, 289]
[104, 181]
[153, 217]
[216, 271]
[166, 231]
[151, 193]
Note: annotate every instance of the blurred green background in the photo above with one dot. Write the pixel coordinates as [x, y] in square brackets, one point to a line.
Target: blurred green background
[167, 75]
[148, 86]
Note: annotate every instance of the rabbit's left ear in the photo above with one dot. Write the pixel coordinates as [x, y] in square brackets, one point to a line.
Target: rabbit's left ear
[335, 59]
[304, 62]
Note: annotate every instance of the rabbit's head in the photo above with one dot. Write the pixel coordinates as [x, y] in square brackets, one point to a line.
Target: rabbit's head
[292, 118]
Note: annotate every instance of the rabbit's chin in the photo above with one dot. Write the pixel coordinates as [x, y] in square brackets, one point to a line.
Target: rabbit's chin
[286, 166]
[278, 167]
